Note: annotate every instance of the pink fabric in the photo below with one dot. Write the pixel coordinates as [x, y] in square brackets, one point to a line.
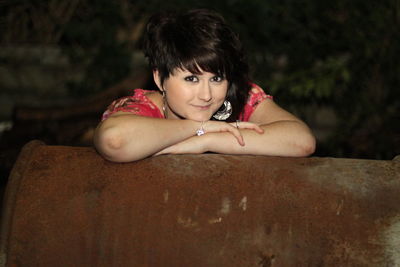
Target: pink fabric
[256, 96]
[140, 104]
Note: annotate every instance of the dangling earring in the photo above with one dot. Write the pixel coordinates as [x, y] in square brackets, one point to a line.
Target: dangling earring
[225, 112]
[164, 104]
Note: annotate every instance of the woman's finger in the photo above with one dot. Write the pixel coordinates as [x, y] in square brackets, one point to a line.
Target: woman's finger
[258, 129]
[213, 126]
[247, 125]
[233, 130]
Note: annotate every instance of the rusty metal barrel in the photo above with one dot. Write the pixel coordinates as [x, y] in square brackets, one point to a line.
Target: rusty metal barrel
[67, 206]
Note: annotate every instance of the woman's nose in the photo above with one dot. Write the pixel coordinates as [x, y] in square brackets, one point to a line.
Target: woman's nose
[205, 92]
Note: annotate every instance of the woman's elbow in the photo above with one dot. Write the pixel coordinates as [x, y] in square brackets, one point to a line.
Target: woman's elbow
[109, 143]
[307, 145]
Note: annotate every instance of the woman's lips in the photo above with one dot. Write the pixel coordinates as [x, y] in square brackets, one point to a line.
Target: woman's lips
[201, 107]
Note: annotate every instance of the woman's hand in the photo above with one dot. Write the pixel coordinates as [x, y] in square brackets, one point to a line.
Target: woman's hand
[248, 125]
[198, 144]
[233, 128]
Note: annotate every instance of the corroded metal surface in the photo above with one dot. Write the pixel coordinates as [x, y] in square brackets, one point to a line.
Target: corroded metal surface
[66, 206]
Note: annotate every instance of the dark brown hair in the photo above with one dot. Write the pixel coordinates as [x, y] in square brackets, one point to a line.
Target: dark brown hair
[194, 39]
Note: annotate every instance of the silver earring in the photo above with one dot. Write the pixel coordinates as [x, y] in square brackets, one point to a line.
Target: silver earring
[164, 103]
[225, 112]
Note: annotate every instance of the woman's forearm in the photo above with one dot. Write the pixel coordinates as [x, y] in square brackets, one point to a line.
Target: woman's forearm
[281, 138]
[125, 138]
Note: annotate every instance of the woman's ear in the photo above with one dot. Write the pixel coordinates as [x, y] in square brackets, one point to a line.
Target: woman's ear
[157, 79]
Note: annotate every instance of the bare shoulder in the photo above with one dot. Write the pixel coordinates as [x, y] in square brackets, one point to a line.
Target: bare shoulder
[156, 98]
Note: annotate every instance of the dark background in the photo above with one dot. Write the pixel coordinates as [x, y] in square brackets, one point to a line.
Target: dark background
[332, 63]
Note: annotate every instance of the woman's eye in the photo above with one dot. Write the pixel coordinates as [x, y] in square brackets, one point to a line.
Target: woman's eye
[217, 79]
[191, 78]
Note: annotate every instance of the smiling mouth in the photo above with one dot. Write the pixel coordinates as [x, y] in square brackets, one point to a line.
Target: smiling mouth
[202, 107]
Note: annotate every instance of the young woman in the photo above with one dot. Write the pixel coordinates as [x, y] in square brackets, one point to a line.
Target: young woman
[205, 103]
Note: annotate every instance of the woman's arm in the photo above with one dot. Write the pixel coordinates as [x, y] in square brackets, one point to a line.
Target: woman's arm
[281, 138]
[284, 135]
[125, 137]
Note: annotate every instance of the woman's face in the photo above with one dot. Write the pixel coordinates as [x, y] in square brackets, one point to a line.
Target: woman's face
[193, 96]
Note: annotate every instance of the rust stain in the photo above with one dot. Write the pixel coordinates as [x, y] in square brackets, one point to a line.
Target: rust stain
[73, 208]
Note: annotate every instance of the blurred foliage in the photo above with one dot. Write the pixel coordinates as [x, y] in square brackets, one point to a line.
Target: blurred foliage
[340, 54]
[90, 38]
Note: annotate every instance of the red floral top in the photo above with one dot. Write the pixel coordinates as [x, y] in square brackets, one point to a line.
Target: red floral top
[140, 104]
